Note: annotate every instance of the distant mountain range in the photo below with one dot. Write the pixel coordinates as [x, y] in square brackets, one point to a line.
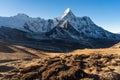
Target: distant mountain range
[63, 33]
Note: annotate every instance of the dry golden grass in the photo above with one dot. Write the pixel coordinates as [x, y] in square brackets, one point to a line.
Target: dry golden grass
[91, 66]
[22, 63]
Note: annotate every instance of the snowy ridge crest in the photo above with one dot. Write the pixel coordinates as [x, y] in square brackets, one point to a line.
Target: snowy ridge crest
[78, 25]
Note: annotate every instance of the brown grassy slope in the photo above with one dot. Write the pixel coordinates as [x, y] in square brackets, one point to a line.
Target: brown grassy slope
[116, 45]
[22, 63]
[96, 64]
[14, 56]
[8, 52]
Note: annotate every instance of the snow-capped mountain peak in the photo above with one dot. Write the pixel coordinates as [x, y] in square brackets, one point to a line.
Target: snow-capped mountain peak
[67, 11]
[21, 15]
[67, 14]
[68, 22]
[67, 28]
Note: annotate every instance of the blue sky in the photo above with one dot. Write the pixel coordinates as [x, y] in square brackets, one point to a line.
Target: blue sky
[105, 13]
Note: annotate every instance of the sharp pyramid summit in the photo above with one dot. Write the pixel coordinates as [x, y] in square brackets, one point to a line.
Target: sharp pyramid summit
[68, 29]
[67, 13]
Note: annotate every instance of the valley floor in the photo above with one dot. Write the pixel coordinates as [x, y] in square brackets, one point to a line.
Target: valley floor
[22, 63]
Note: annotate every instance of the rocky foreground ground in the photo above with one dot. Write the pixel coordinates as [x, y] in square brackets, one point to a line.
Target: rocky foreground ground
[91, 66]
[22, 63]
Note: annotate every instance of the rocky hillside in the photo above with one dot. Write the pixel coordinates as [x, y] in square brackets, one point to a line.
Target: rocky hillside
[94, 66]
